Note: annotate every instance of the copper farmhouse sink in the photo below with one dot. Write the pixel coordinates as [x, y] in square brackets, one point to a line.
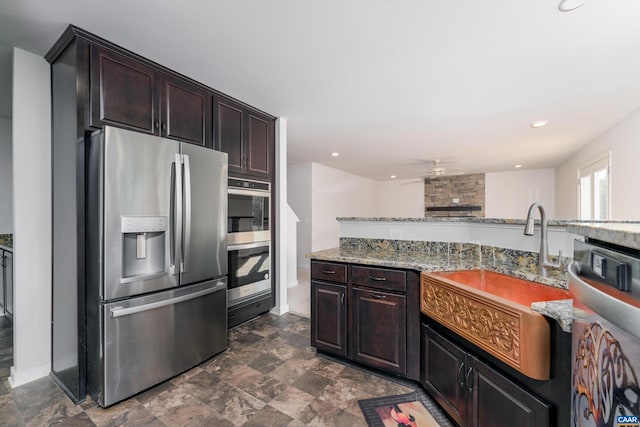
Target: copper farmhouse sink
[492, 311]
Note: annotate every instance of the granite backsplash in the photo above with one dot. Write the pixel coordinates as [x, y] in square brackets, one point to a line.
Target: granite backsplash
[494, 257]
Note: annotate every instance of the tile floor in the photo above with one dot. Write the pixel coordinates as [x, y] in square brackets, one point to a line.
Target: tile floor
[269, 376]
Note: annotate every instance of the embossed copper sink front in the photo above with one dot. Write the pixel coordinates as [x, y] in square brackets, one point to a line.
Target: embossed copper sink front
[492, 310]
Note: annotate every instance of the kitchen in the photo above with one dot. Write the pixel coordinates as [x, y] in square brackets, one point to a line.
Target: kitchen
[623, 208]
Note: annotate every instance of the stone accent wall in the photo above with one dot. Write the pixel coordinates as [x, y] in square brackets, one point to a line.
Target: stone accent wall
[441, 191]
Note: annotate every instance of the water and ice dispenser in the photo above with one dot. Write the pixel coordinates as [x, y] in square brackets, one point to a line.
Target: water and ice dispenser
[143, 246]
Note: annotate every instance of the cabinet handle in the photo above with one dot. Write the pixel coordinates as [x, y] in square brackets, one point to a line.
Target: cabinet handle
[342, 300]
[469, 379]
[327, 272]
[378, 279]
[376, 296]
[461, 374]
[164, 128]
[155, 125]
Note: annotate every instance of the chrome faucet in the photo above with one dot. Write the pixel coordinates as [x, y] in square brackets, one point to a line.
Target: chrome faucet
[543, 257]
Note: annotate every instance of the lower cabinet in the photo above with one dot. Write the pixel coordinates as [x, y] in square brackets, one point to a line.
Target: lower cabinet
[328, 309]
[379, 332]
[473, 393]
[367, 314]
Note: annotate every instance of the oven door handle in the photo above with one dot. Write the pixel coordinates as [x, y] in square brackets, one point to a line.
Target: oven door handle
[252, 245]
[618, 312]
[254, 193]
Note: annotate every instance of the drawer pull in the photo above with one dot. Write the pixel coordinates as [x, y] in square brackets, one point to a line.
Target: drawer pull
[378, 279]
[328, 272]
[377, 296]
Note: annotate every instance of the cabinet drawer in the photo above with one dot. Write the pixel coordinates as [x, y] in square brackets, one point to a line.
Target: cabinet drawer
[381, 278]
[329, 271]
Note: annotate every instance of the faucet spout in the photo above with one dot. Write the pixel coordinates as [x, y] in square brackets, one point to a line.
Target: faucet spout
[543, 257]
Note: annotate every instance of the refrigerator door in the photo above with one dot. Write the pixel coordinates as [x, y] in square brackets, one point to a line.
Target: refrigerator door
[141, 188]
[151, 338]
[204, 253]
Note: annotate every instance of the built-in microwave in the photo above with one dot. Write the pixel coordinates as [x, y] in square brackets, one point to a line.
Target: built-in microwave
[249, 208]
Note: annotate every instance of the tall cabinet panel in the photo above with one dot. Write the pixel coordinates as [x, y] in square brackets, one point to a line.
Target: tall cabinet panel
[68, 364]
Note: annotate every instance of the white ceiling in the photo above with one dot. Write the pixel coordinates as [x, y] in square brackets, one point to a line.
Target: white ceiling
[385, 82]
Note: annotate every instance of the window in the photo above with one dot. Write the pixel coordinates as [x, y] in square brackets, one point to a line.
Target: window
[593, 189]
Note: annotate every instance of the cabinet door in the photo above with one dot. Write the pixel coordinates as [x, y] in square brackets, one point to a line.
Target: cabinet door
[328, 320]
[229, 126]
[123, 92]
[2, 283]
[186, 112]
[8, 282]
[259, 146]
[442, 372]
[379, 329]
[497, 402]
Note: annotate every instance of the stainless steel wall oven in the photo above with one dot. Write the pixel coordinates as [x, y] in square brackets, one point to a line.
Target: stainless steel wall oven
[249, 210]
[249, 249]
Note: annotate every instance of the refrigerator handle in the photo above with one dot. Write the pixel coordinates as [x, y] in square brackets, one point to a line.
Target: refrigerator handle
[187, 214]
[176, 213]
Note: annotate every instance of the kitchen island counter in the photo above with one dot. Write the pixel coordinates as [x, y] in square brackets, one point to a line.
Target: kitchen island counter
[425, 262]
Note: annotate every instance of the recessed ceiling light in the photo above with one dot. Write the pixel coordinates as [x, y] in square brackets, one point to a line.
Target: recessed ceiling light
[392, 177]
[517, 166]
[538, 124]
[335, 154]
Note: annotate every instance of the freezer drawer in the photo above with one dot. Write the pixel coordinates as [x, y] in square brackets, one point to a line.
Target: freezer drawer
[149, 339]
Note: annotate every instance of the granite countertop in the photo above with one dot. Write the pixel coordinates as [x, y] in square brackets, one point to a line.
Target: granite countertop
[620, 233]
[558, 310]
[6, 241]
[470, 219]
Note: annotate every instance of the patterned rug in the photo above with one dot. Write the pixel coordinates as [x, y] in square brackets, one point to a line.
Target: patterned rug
[414, 409]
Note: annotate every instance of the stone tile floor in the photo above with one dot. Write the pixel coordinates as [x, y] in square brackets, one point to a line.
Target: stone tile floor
[269, 376]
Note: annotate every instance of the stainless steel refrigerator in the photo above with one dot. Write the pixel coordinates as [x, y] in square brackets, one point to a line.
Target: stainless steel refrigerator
[156, 260]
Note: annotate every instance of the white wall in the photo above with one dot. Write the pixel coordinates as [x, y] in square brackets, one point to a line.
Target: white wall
[400, 199]
[509, 194]
[6, 177]
[623, 140]
[282, 218]
[335, 193]
[299, 198]
[32, 217]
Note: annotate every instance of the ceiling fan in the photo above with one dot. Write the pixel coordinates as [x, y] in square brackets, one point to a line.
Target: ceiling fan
[438, 169]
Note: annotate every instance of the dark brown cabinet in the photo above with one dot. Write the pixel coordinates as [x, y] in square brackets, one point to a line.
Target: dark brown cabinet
[185, 112]
[379, 332]
[123, 92]
[473, 393]
[127, 93]
[247, 137]
[329, 331]
[367, 314]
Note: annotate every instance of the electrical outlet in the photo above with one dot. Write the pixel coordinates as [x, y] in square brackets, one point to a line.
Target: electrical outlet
[456, 200]
[395, 234]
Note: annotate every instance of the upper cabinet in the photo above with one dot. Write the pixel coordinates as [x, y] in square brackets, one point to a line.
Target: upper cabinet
[127, 93]
[246, 136]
